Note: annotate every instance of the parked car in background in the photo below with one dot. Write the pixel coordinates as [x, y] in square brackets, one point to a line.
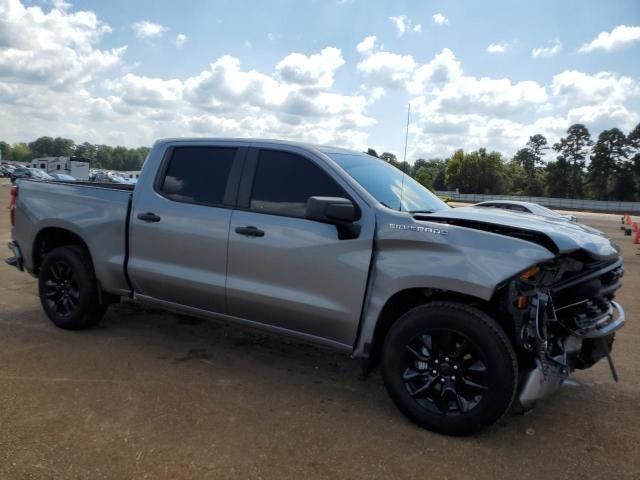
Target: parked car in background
[39, 174]
[526, 207]
[6, 170]
[337, 247]
[20, 172]
[108, 177]
[32, 173]
[62, 177]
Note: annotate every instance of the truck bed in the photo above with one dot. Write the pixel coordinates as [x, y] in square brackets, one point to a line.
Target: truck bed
[98, 213]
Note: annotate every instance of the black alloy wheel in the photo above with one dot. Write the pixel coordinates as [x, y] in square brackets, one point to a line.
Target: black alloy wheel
[449, 368]
[69, 291]
[61, 288]
[444, 373]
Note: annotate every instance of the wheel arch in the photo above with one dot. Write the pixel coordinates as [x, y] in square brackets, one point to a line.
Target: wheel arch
[405, 300]
[49, 238]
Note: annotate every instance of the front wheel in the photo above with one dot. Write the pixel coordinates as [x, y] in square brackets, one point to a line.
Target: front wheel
[68, 289]
[449, 368]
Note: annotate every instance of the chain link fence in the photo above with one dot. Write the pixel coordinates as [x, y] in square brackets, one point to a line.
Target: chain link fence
[561, 203]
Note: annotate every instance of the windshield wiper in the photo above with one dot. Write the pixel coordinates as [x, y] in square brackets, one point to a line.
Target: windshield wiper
[420, 211]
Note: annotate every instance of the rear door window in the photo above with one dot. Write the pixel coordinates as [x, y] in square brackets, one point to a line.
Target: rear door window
[198, 174]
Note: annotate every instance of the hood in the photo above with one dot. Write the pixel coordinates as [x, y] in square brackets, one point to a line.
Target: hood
[566, 236]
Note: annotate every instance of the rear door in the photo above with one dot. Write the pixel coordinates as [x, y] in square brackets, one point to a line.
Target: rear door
[180, 227]
[293, 273]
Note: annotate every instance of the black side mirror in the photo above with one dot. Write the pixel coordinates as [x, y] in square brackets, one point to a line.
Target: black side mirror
[337, 211]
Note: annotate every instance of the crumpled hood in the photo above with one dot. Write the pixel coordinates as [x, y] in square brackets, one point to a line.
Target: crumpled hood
[567, 236]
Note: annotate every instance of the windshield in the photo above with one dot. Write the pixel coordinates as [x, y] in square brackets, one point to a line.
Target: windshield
[387, 184]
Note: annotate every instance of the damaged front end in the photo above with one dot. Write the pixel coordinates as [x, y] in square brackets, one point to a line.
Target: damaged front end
[566, 318]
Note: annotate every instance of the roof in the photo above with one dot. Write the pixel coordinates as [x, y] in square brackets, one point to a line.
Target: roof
[322, 148]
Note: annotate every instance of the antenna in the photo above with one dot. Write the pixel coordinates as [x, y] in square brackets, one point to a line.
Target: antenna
[406, 136]
[406, 141]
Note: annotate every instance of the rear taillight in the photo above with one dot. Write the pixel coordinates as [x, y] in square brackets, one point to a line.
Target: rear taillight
[13, 198]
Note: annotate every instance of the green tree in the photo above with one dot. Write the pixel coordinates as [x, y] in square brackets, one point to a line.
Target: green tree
[389, 158]
[537, 144]
[42, 147]
[63, 147]
[20, 152]
[405, 167]
[526, 160]
[430, 173]
[86, 150]
[557, 174]
[519, 181]
[477, 172]
[624, 186]
[574, 149]
[5, 151]
[633, 153]
[606, 163]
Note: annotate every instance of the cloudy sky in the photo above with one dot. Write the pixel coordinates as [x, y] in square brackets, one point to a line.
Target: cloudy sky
[487, 73]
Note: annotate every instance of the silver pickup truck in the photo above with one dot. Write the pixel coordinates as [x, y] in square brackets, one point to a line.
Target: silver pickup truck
[467, 311]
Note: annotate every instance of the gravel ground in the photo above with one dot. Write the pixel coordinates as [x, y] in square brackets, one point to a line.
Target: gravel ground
[147, 395]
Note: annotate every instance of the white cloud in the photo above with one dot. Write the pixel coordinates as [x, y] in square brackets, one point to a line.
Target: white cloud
[57, 48]
[385, 69]
[554, 48]
[316, 70]
[440, 19]
[365, 47]
[619, 37]
[498, 48]
[147, 29]
[575, 88]
[444, 68]
[52, 57]
[400, 23]
[603, 116]
[296, 99]
[404, 24]
[145, 91]
[180, 40]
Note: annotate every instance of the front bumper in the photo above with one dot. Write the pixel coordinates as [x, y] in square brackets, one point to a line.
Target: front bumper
[546, 378]
[17, 260]
[610, 325]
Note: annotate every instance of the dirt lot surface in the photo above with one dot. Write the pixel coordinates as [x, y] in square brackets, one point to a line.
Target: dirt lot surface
[148, 396]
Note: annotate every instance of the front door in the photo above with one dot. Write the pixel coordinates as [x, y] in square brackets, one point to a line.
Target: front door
[180, 228]
[290, 272]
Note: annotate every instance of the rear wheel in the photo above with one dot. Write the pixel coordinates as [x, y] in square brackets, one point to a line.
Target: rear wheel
[68, 289]
[450, 368]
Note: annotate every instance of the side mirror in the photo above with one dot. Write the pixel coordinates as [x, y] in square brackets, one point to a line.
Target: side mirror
[331, 210]
[337, 211]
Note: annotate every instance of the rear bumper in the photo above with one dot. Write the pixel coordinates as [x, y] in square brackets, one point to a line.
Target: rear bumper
[17, 260]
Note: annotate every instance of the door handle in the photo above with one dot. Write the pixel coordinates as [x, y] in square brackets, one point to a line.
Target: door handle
[250, 231]
[149, 217]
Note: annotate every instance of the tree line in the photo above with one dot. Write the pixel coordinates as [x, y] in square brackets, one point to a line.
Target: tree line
[100, 156]
[607, 169]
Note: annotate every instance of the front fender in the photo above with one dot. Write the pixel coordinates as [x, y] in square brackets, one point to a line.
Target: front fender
[418, 254]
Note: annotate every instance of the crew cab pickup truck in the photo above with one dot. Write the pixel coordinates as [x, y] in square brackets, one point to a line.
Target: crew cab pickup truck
[466, 311]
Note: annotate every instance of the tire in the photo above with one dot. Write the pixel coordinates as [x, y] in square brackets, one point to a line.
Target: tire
[469, 391]
[69, 271]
